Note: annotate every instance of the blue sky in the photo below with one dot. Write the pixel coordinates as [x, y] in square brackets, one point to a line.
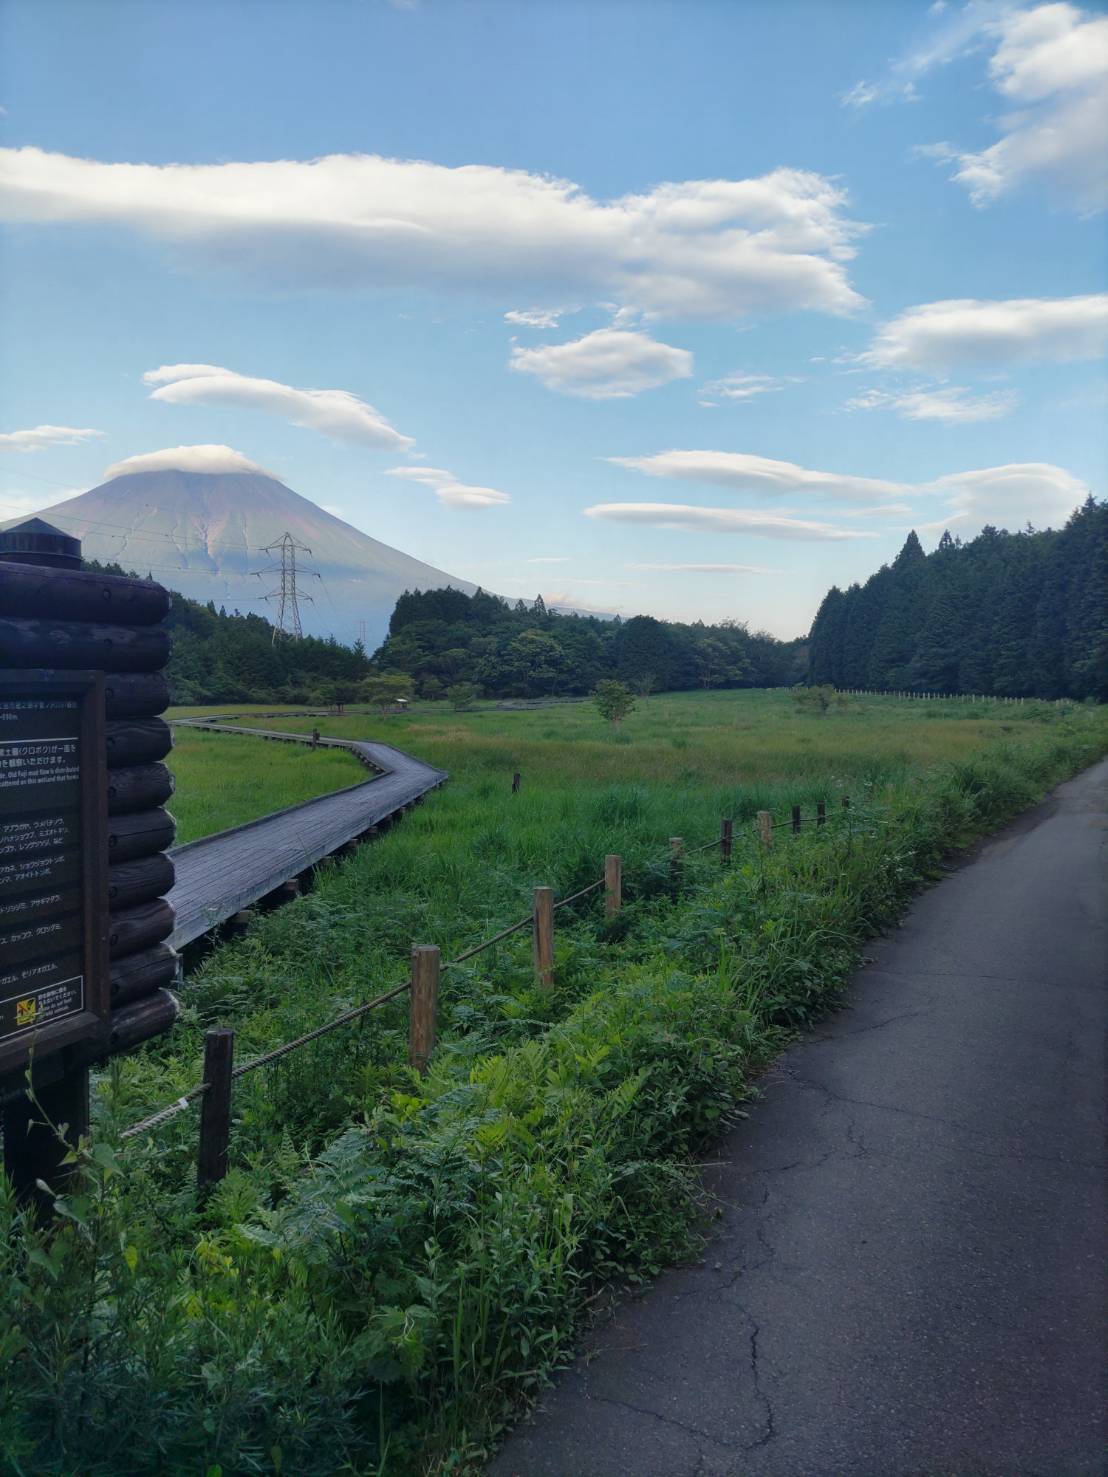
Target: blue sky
[798, 276]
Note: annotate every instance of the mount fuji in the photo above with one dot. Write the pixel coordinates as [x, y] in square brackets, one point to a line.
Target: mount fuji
[199, 518]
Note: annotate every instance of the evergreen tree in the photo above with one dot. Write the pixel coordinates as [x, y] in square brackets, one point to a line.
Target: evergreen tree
[1012, 614]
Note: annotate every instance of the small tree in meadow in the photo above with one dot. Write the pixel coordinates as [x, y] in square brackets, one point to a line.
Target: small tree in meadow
[614, 700]
[385, 690]
[337, 694]
[462, 695]
[817, 700]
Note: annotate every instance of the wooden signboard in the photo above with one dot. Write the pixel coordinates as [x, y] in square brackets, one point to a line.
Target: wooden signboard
[54, 988]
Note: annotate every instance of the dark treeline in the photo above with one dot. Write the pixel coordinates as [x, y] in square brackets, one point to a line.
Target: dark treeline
[1008, 614]
[218, 657]
[443, 637]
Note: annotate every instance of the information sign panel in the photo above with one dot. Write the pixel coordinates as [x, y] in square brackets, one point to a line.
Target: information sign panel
[53, 863]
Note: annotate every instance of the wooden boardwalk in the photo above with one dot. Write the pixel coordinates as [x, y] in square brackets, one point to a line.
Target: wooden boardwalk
[221, 874]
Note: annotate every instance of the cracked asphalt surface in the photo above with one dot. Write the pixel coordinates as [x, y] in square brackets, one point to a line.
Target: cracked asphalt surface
[909, 1273]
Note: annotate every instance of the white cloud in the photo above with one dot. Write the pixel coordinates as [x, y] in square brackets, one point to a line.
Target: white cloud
[697, 248]
[690, 519]
[609, 364]
[429, 476]
[1052, 62]
[739, 387]
[952, 405]
[449, 490]
[955, 36]
[1047, 50]
[968, 331]
[463, 495]
[707, 568]
[1010, 496]
[534, 317]
[742, 472]
[42, 437]
[336, 413]
[186, 459]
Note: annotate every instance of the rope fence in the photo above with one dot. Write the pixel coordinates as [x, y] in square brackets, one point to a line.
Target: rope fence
[220, 1074]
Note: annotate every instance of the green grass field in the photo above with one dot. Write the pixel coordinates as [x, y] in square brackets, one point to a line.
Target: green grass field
[725, 741]
[223, 780]
[394, 1263]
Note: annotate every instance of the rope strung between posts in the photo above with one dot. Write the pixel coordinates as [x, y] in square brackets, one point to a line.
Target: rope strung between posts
[164, 1114]
[187, 1099]
[565, 902]
[333, 1025]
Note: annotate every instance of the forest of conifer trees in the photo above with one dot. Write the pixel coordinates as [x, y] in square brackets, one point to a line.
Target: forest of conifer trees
[1009, 614]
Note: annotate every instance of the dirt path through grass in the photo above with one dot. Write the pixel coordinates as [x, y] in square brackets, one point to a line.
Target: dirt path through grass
[908, 1275]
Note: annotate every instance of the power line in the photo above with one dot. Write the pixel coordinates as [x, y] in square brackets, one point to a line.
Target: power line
[286, 594]
[95, 523]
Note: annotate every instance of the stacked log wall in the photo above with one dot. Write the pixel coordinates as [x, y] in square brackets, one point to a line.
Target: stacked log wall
[68, 619]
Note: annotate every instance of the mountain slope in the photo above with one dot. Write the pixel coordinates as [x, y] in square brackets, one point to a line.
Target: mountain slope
[203, 533]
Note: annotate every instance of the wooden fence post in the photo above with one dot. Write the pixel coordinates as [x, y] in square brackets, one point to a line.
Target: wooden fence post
[515, 783]
[543, 916]
[676, 857]
[424, 1005]
[821, 813]
[613, 885]
[765, 828]
[726, 837]
[846, 802]
[215, 1108]
[796, 820]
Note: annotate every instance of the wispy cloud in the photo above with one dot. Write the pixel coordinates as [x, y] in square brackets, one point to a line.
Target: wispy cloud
[691, 519]
[610, 364]
[449, 490]
[534, 317]
[707, 568]
[336, 413]
[712, 249]
[743, 472]
[735, 388]
[1051, 64]
[40, 438]
[952, 405]
[949, 34]
[1009, 495]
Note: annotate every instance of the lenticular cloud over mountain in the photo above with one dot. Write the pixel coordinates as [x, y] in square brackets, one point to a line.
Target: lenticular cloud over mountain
[212, 459]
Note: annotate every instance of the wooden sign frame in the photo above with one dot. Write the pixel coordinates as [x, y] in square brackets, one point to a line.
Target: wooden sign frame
[89, 1022]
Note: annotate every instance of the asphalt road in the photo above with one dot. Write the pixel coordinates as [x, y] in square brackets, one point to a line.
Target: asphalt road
[909, 1276]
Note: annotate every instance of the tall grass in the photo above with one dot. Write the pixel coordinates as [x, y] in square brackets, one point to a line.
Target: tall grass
[393, 1264]
[224, 780]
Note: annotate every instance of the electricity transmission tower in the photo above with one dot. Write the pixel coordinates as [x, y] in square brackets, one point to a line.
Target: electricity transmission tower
[286, 594]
